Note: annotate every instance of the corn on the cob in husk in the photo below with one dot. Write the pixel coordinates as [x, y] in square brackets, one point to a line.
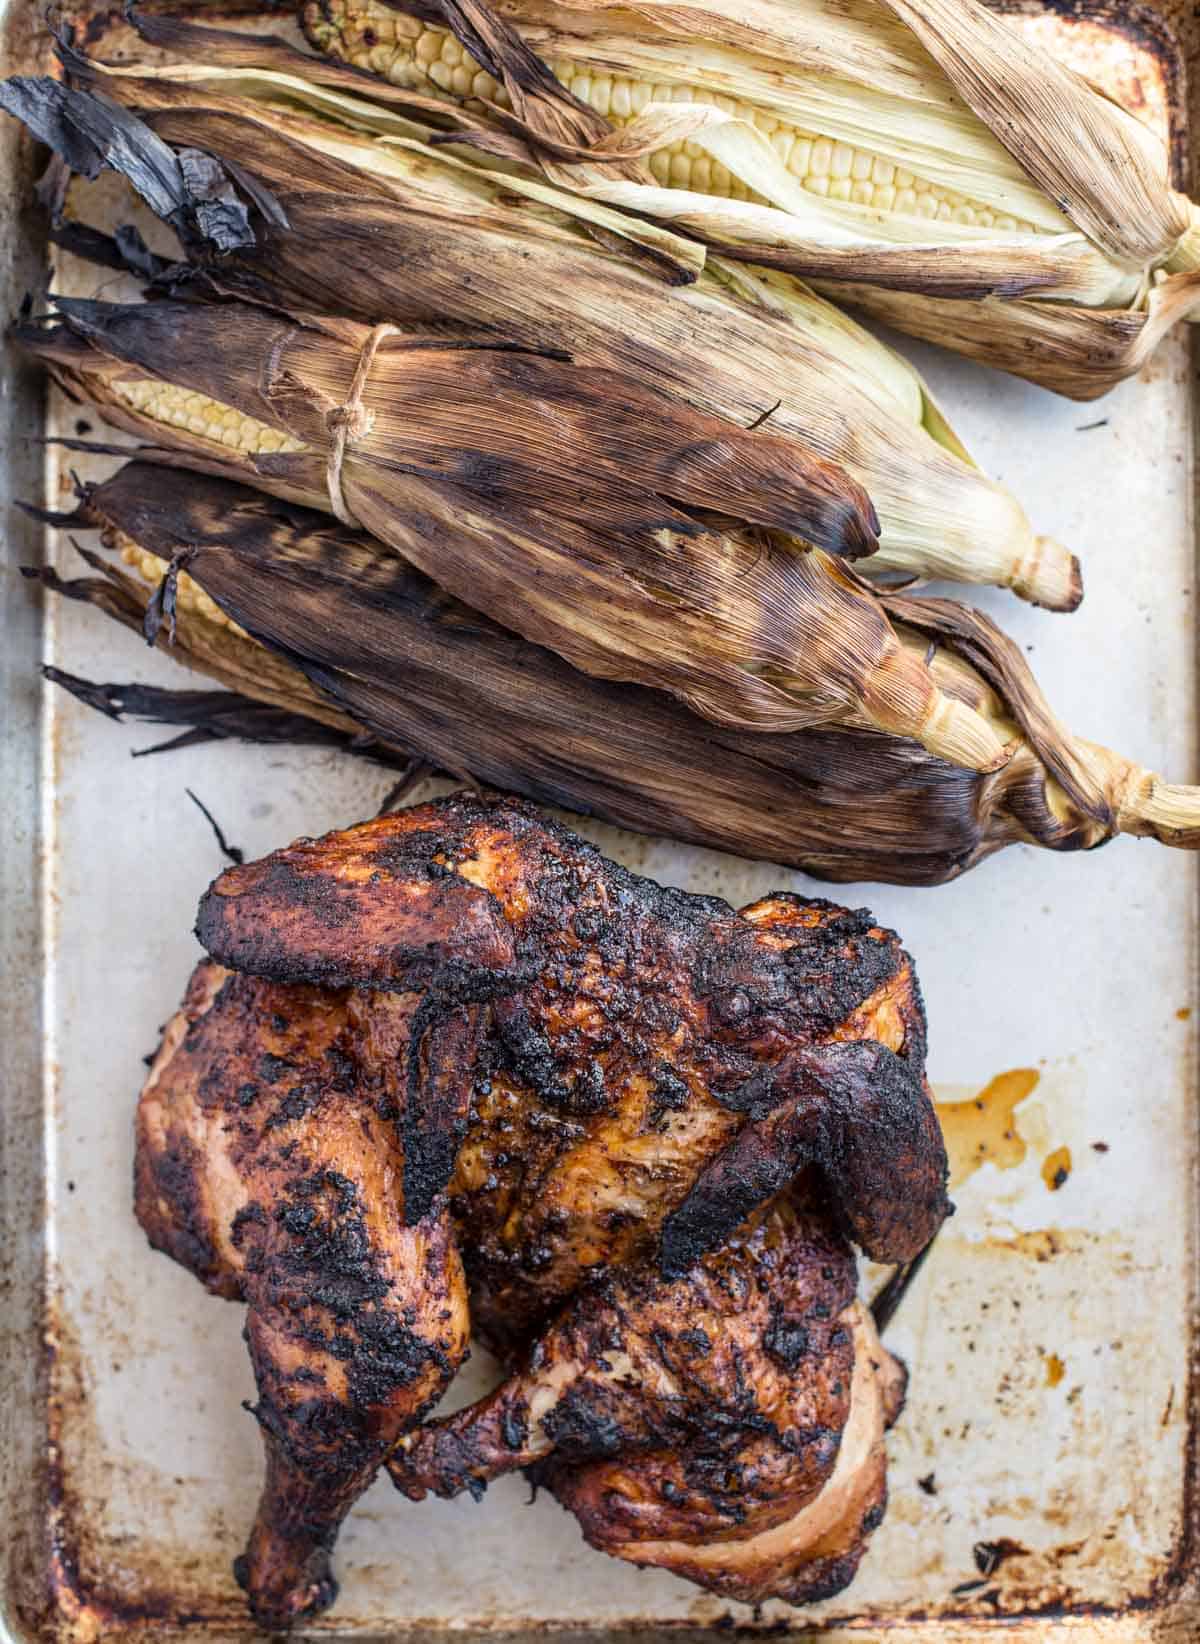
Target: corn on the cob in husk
[921, 150]
[470, 246]
[385, 650]
[637, 538]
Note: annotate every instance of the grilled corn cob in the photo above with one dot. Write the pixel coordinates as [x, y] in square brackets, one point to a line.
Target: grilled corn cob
[200, 635]
[471, 245]
[920, 150]
[443, 445]
[417, 53]
[384, 650]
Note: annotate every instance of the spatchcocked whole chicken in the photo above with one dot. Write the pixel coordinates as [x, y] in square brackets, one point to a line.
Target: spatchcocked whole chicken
[454, 1061]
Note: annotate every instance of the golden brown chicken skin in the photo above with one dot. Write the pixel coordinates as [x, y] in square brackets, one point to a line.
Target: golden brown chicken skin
[810, 1555]
[726, 1424]
[649, 1065]
[268, 1163]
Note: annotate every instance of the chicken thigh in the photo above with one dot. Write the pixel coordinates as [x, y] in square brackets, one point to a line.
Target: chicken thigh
[268, 1164]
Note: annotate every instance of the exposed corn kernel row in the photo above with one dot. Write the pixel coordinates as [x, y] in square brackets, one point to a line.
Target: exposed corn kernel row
[426, 58]
[222, 648]
[197, 414]
[190, 597]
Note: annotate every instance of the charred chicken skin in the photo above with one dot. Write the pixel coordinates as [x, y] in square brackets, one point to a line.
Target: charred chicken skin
[649, 1066]
[268, 1164]
[459, 1036]
[727, 1424]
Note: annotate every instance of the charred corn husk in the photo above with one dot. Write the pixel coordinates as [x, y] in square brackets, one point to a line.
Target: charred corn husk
[199, 634]
[384, 650]
[469, 245]
[576, 508]
[920, 149]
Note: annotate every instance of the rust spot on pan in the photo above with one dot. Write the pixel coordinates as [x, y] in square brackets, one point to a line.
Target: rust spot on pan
[83, 1590]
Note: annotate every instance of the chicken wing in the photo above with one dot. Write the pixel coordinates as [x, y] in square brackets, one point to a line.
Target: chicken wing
[726, 1424]
[268, 1163]
[642, 1053]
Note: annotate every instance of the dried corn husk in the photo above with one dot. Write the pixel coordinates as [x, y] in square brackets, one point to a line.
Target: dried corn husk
[395, 657]
[472, 245]
[1050, 191]
[638, 539]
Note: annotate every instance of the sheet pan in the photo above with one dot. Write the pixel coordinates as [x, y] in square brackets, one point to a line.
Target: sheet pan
[1043, 1476]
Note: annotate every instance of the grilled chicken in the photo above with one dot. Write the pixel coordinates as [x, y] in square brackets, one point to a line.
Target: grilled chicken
[809, 1555]
[726, 1424]
[268, 1163]
[460, 1035]
[649, 1065]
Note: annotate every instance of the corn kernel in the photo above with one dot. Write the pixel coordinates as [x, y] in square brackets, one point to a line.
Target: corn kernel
[410, 52]
[801, 161]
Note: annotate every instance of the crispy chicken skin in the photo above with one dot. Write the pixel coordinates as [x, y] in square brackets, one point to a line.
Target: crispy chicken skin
[649, 1065]
[726, 1424]
[811, 1555]
[647, 1124]
[269, 1164]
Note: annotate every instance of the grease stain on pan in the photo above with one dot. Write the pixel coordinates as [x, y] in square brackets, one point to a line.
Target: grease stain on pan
[1087, 1536]
[1055, 1369]
[983, 1129]
[1056, 1168]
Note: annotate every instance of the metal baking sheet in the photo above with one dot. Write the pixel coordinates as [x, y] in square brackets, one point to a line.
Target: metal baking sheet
[1043, 1474]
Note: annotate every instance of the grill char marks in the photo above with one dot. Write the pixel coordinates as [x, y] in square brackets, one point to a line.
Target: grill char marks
[640, 1118]
[620, 1024]
[269, 1163]
[698, 1423]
